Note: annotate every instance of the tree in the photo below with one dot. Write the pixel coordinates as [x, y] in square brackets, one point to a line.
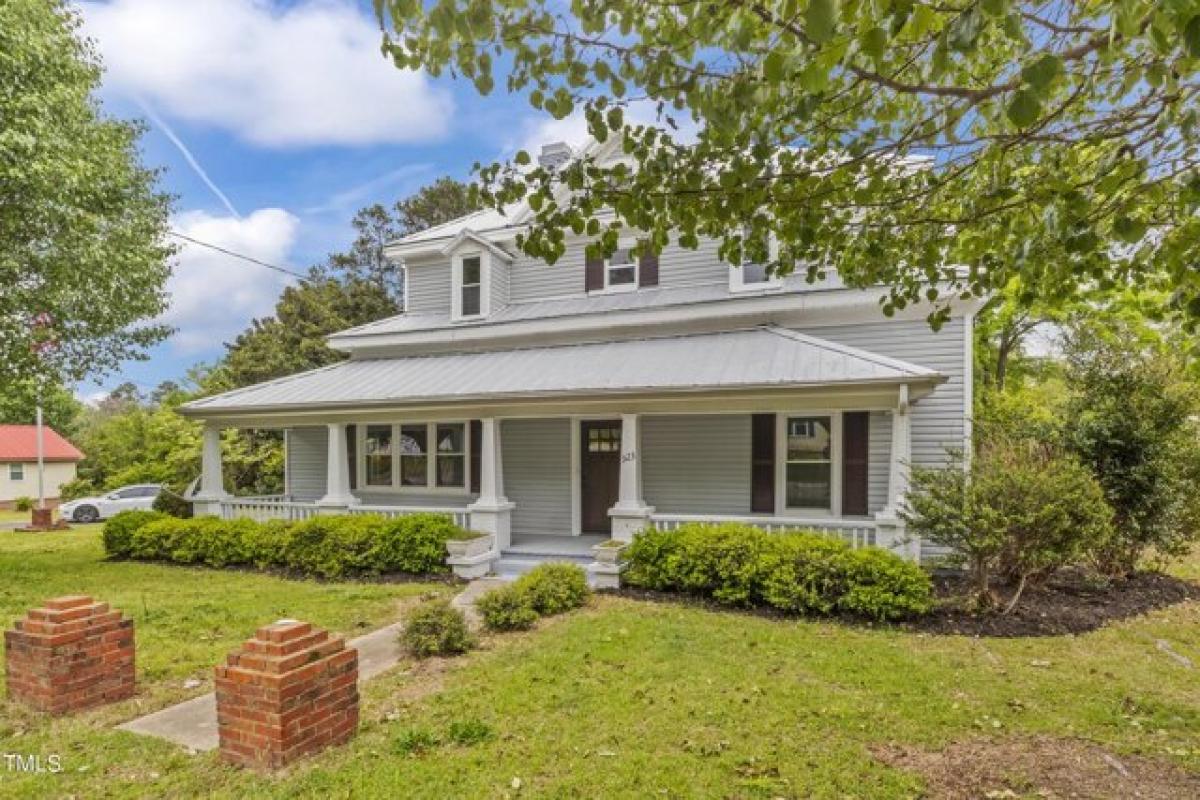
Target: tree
[60, 409]
[83, 261]
[959, 144]
[293, 340]
[441, 201]
[1134, 419]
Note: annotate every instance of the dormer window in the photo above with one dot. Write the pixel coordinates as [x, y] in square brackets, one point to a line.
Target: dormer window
[752, 273]
[470, 282]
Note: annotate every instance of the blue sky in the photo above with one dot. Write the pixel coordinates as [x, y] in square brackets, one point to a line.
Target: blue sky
[297, 121]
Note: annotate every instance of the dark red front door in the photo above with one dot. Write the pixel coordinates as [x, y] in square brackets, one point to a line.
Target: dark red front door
[600, 473]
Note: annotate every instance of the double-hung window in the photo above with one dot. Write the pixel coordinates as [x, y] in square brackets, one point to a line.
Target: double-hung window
[621, 270]
[808, 462]
[470, 282]
[753, 271]
[16, 472]
[426, 456]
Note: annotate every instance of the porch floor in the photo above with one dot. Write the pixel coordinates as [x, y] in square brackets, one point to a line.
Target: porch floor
[534, 544]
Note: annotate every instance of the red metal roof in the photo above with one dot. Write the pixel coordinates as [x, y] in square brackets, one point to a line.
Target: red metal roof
[19, 443]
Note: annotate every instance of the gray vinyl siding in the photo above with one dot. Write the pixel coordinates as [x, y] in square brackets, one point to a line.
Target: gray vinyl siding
[537, 474]
[697, 464]
[499, 278]
[307, 450]
[879, 454]
[681, 267]
[428, 499]
[428, 286]
[533, 279]
[938, 420]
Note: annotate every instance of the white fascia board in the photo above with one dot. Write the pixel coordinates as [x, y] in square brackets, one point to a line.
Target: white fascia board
[469, 237]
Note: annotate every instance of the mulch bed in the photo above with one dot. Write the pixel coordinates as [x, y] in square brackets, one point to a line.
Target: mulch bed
[1068, 603]
[1039, 766]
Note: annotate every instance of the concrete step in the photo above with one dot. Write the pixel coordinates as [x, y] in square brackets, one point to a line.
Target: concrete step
[511, 566]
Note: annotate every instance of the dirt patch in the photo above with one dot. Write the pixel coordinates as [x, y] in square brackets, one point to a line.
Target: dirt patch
[1043, 767]
[1068, 603]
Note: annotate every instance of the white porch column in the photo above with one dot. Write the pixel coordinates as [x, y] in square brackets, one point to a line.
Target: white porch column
[212, 481]
[337, 471]
[492, 512]
[631, 513]
[890, 529]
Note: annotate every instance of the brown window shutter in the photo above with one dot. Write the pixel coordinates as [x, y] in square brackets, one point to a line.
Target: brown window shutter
[352, 453]
[855, 448]
[648, 269]
[762, 463]
[476, 455]
[593, 275]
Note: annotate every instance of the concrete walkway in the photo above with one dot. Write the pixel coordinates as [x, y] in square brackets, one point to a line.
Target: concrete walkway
[193, 723]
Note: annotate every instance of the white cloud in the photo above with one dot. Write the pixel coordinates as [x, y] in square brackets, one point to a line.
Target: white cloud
[543, 129]
[213, 295]
[307, 74]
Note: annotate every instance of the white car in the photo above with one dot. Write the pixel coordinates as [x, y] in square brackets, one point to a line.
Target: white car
[90, 509]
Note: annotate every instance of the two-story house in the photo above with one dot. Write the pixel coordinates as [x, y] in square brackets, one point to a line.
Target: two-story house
[554, 405]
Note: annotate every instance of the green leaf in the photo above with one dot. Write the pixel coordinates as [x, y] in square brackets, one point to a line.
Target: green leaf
[874, 43]
[1129, 230]
[522, 158]
[814, 78]
[773, 66]
[1191, 36]
[1042, 72]
[820, 20]
[1025, 108]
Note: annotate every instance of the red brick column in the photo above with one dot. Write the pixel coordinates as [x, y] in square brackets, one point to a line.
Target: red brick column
[290, 691]
[71, 654]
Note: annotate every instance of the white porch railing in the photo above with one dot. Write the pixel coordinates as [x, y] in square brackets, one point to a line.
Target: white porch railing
[856, 533]
[461, 516]
[264, 508]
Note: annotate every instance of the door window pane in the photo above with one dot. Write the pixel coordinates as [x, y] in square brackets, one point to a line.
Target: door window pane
[377, 454]
[809, 465]
[451, 454]
[414, 458]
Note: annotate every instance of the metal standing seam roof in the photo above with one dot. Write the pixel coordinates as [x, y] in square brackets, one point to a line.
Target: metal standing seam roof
[762, 357]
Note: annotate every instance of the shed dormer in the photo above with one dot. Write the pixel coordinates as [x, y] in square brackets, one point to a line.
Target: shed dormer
[478, 276]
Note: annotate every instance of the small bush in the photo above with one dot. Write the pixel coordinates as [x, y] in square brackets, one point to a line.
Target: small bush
[23, 504]
[470, 732]
[801, 573]
[553, 588]
[117, 534]
[435, 628]
[174, 504]
[507, 609]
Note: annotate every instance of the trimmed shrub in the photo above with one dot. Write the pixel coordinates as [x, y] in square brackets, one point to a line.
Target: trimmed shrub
[117, 534]
[332, 546]
[553, 588]
[171, 503]
[435, 628]
[414, 543]
[800, 573]
[23, 504]
[506, 609]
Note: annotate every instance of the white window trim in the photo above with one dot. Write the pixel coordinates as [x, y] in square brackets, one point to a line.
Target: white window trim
[835, 466]
[13, 468]
[622, 288]
[485, 284]
[737, 275]
[430, 487]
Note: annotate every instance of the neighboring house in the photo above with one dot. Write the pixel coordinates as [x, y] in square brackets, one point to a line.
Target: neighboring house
[18, 463]
[600, 397]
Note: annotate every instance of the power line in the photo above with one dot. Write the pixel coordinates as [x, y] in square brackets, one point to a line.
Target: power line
[251, 259]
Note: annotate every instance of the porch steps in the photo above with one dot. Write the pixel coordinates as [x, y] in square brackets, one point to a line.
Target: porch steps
[511, 566]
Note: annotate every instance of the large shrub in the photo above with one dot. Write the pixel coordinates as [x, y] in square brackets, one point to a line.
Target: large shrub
[117, 534]
[435, 628]
[805, 573]
[506, 609]
[323, 546]
[1021, 511]
[553, 588]
[169, 502]
[1133, 420]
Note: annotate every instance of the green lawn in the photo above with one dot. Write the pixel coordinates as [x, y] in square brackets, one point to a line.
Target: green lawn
[633, 699]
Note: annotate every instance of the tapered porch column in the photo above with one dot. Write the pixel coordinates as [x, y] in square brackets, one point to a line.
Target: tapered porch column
[337, 471]
[631, 513]
[492, 512]
[212, 481]
[890, 529]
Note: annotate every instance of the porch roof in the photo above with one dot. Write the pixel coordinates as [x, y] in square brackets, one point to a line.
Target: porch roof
[762, 357]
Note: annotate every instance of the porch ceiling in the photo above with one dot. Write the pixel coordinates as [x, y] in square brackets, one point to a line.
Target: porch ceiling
[758, 358]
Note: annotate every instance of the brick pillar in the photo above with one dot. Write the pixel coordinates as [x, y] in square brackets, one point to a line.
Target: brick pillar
[290, 691]
[71, 654]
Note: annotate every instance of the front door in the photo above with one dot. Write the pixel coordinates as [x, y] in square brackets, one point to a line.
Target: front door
[600, 473]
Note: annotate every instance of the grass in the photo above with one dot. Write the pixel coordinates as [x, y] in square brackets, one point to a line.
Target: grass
[633, 699]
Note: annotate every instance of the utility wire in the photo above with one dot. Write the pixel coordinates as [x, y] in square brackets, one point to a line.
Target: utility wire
[251, 259]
